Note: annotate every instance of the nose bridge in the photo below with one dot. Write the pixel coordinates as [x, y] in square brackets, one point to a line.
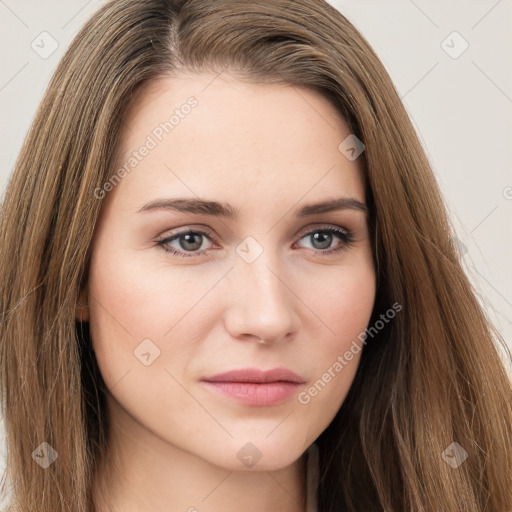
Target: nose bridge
[262, 304]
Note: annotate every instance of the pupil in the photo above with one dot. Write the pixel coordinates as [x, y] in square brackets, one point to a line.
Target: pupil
[189, 239]
[324, 238]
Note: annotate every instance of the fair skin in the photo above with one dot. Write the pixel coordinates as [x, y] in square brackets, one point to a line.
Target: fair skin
[267, 150]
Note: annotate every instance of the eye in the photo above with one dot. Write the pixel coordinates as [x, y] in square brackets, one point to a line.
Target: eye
[190, 242]
[323, 238]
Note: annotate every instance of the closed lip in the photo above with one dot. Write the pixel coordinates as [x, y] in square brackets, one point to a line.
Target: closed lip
[257, 376]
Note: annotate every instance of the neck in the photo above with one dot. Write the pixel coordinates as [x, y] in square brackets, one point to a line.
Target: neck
[143, 472]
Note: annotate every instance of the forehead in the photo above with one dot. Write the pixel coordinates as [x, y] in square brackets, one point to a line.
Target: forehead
[208, 133]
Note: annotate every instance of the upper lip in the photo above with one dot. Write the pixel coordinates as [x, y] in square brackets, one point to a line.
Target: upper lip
[256, 375]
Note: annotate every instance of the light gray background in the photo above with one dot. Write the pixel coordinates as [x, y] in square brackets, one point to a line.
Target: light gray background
[461, 106]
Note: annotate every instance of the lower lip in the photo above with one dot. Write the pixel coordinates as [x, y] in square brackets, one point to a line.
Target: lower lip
[251, 393]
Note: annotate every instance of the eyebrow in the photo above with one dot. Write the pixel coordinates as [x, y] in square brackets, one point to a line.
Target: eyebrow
[216, 209]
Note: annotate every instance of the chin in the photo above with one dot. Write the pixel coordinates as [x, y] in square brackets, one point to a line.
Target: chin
[258, 454]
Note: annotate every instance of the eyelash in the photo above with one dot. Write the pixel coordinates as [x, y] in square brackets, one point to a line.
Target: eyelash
[345, 235]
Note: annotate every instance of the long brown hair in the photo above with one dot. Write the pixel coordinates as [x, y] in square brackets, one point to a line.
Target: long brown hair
[431, 377]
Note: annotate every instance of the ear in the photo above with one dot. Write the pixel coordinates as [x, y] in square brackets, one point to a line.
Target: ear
[82, 306]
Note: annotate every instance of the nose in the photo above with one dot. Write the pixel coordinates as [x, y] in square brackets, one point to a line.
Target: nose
[262, 305]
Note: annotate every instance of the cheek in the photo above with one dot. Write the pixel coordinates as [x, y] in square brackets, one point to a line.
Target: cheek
[122, 310]
[141, 294]
[343, 306]
[125, 296]
[132, 302]
[343, 302]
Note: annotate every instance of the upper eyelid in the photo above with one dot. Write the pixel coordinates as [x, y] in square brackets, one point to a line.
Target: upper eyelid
[184, 231]
[308, 230]
[203, 229]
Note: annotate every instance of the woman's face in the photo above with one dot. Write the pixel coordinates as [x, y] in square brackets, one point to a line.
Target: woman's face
[255, 284]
